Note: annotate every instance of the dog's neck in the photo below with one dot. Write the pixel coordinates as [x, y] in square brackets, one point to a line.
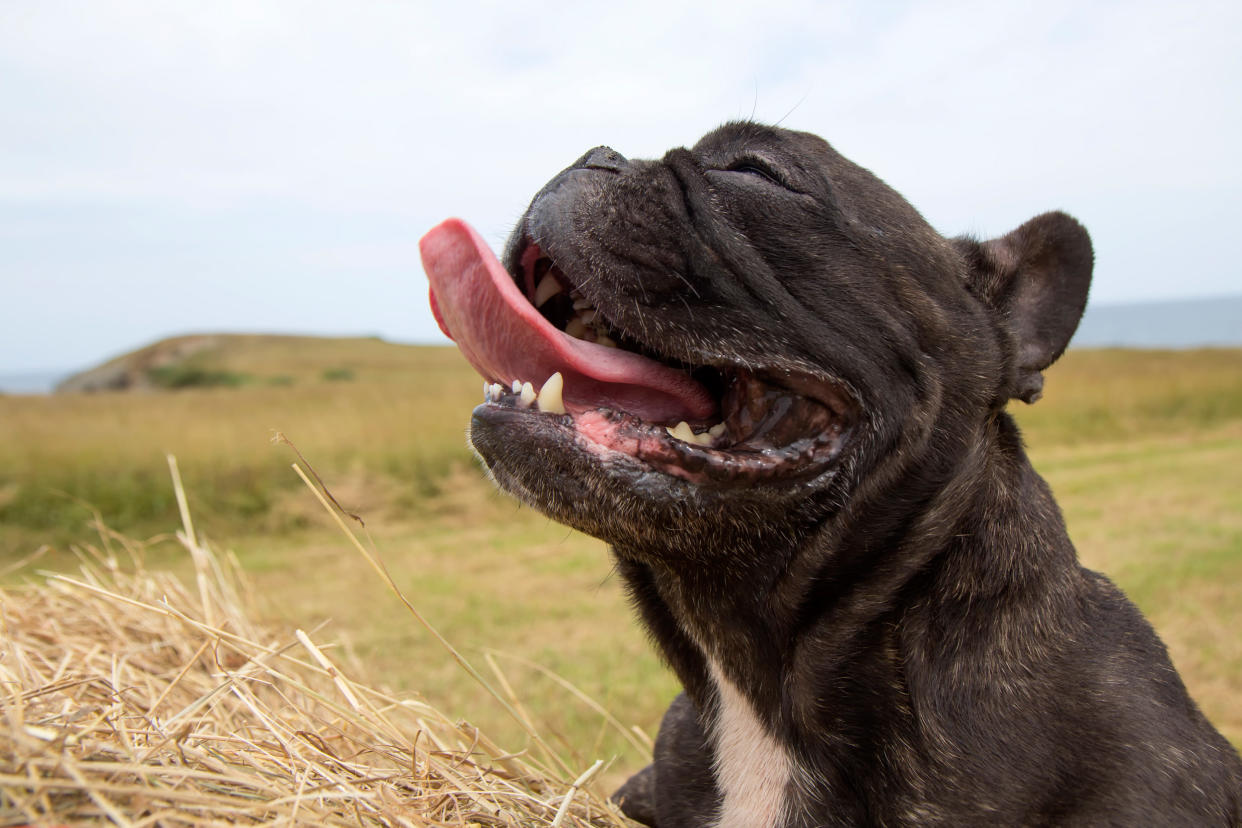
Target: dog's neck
[793, 620]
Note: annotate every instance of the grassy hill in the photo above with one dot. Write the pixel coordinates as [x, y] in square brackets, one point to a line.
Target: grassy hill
[1144, 450]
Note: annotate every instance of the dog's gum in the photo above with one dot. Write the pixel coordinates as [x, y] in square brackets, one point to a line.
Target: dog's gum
[603, 431]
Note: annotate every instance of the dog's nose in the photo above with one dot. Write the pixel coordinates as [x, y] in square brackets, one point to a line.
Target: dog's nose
[602, 158]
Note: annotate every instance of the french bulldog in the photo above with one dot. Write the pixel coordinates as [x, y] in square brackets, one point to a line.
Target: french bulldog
[761, 376]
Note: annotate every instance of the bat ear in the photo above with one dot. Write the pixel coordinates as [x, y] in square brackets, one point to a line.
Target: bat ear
[1035, 279]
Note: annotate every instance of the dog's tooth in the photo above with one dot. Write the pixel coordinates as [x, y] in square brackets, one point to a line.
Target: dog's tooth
[548, 287]
[602, 339]
[682, 431]
[576, 328]
[588, 316]
[487, 391]
[717, 430]
[516, 387]
[527, 395]
[495, 391]
[583, 304]
[551, 395]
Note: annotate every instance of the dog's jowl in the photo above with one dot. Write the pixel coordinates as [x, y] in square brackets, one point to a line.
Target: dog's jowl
[760, 375]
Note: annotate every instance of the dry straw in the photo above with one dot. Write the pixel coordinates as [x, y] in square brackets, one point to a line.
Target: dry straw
[130, 697]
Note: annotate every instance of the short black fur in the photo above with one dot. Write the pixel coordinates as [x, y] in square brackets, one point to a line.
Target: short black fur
[912, 626]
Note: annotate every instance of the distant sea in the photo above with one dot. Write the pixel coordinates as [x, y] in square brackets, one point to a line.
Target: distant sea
[1185, 323]
[39, 383]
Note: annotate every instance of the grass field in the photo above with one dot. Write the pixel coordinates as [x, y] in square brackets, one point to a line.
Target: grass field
[1143, 449]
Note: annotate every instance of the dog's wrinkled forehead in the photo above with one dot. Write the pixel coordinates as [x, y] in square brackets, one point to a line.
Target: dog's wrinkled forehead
[801, 150]
[837, 253]
[822, 188]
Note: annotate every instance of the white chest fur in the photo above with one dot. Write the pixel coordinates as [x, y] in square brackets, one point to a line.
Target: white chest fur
[753, 770]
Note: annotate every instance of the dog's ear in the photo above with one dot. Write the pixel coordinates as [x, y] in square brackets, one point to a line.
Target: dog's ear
[1035, 279]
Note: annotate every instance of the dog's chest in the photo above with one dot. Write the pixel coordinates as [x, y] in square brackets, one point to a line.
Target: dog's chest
[753, 770]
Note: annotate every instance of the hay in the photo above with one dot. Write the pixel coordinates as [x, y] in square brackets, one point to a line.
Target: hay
[132, 697]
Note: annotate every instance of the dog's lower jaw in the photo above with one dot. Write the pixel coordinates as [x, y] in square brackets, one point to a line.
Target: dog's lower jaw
[644, 513]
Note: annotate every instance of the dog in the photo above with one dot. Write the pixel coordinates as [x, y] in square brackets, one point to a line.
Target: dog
[760, 375]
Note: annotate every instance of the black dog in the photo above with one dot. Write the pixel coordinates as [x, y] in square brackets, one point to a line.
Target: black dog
[780, 395]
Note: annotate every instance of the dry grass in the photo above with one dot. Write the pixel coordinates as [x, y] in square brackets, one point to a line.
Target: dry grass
[130, 696]
[402, 416]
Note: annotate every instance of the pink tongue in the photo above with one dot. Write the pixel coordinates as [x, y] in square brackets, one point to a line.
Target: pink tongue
[477, 304]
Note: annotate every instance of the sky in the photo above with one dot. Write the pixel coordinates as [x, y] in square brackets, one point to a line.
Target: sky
[171, 167]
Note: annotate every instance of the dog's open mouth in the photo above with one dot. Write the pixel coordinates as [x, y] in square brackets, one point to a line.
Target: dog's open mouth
[547, 352]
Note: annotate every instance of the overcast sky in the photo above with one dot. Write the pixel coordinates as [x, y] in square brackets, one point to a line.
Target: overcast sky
[169, 167]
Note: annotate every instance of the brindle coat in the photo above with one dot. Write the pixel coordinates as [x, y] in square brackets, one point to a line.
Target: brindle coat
[911, 628]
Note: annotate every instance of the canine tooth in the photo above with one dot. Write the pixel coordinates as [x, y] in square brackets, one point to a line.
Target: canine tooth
[516, 388]
[583, 304]
[576, 328]
[548, 287]
[551, 399]
[528, 395]
[487, 390]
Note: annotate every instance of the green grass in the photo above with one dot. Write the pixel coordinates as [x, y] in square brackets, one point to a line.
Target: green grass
[189, 375]
[1143, 449]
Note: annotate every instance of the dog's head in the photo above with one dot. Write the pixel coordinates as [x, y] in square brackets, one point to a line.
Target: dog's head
[744, 330]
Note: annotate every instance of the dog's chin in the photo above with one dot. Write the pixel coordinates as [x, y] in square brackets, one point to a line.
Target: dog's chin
[648, 487]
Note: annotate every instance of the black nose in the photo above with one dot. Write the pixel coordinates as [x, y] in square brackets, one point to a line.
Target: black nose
[602, 158]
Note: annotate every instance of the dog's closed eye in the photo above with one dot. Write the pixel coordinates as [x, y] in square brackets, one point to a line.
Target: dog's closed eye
[753, 165]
